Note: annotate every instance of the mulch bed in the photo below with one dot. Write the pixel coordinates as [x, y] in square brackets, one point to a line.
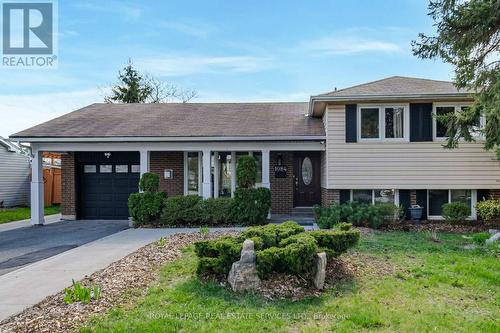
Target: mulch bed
[135, 271]
[438, 226]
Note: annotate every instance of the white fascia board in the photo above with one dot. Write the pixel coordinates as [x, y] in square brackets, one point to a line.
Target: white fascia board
[172, 139]
[181, 146]
[356, 98]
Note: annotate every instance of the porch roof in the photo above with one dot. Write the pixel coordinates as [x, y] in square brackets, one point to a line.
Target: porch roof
[186, 120]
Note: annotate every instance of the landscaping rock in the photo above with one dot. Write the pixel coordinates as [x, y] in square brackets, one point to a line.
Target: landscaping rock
[320, 270]
[493, 238]
[243, 275]
[493, 231]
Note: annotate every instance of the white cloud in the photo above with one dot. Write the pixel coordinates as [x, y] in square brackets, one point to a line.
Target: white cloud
[117, 7]
[349, 45]
[189, 65]
[190, 28]
[20, 112]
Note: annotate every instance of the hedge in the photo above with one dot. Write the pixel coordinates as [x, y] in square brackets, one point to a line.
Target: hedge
[488, 210]
[251, 206]
[284, 248]
[145, 207]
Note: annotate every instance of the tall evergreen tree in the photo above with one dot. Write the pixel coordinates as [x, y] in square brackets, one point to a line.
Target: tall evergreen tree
[131, 88]
[468, 37]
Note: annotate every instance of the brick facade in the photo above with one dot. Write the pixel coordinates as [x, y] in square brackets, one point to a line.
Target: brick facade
[68, 187]
[161, 160]
[281, 188]
[329, 196]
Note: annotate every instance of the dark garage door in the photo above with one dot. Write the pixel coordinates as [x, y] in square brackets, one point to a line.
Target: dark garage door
[105, 182]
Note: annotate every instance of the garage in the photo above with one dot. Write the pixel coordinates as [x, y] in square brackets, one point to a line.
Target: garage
[105, 181]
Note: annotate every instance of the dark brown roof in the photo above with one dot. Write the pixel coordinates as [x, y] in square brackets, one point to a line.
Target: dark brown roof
[182, 120]
[398, 85]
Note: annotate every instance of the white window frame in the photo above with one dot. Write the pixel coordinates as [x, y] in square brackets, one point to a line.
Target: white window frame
[473, 202]
[186, 172]
[396, 194]
[458, 108]
[381, 121]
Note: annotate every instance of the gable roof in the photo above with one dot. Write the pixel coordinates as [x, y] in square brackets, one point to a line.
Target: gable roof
[399, 85]
[261, 120]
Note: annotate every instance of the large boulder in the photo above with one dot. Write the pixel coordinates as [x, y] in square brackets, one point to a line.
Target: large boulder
[243, 274]
[494, 238]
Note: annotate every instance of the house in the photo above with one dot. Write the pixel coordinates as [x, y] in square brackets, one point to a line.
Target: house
[14, 174]
[375, 142]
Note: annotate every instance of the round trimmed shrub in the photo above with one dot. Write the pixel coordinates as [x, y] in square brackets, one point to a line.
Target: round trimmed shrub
[150, 182]
[455, 212]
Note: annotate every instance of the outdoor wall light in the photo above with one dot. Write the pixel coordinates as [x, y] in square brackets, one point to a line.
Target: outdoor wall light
[168, 174]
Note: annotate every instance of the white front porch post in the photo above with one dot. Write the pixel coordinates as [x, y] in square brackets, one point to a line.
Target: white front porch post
[144, 161]
[265, 169]
[207, 174]
[37, 214]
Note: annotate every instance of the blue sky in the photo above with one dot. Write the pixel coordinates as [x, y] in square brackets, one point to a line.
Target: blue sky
[225, 50]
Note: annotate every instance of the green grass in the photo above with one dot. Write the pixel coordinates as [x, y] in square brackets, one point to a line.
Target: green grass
[23, 213]
[430, 287]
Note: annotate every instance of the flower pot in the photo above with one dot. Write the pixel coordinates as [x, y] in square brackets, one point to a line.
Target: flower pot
[415, 213]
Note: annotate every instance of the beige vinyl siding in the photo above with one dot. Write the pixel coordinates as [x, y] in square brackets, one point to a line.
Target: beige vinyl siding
[324, 155]
[410, 165]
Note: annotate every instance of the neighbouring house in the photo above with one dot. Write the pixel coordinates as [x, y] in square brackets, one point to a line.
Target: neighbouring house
[14, 174]
[375, 142]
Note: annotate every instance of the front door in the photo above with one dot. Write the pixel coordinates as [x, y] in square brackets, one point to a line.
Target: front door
[307, 179]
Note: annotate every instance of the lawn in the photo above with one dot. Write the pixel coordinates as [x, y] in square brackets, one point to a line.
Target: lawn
[22, 213]
[409, 283]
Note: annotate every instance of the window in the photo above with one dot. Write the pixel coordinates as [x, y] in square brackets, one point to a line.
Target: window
[105, 168]
[442, 127]
[89, 169]
[394, 122]
[121, 168]
[437, 198]
[258, 159]
[135, 168]
[193, 173]
[384, 196]
[362, 196]
[370, 123]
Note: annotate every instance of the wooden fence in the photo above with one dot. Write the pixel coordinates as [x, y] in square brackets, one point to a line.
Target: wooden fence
[52, 186]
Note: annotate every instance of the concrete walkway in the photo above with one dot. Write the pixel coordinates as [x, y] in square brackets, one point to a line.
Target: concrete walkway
[29, 285]
[49, 219]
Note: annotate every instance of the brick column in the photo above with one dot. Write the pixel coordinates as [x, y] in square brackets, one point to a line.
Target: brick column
[329, 196]
[174, 160]
[281, 188]
[68, 187]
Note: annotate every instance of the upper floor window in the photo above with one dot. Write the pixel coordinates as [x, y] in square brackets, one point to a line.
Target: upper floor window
[441, 127]
[388, 122]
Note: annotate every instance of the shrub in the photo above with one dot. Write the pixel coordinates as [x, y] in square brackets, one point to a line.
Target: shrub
[488, 210]
[246, 172]
[145, 207]
[182, 210]
[455, 212]
[279, 248]
[251, 206]
[149, 182]
[216, 211]
[358, 214]
[344, 226]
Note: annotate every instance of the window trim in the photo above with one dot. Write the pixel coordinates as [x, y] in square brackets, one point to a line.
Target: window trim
[381, 121]
[473, 202]
[186, 172]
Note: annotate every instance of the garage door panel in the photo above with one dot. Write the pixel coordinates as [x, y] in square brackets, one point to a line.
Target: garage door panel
[104, 195]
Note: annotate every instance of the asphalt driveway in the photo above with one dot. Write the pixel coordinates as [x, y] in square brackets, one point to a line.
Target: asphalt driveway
[22, 246]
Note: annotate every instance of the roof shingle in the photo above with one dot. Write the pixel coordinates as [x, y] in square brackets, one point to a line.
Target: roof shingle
[182, 120]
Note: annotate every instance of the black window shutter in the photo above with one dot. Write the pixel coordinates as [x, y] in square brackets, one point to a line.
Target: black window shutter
[420, 122]
[405, 202]
[350, 123]
[422, 202]
[345, 196]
